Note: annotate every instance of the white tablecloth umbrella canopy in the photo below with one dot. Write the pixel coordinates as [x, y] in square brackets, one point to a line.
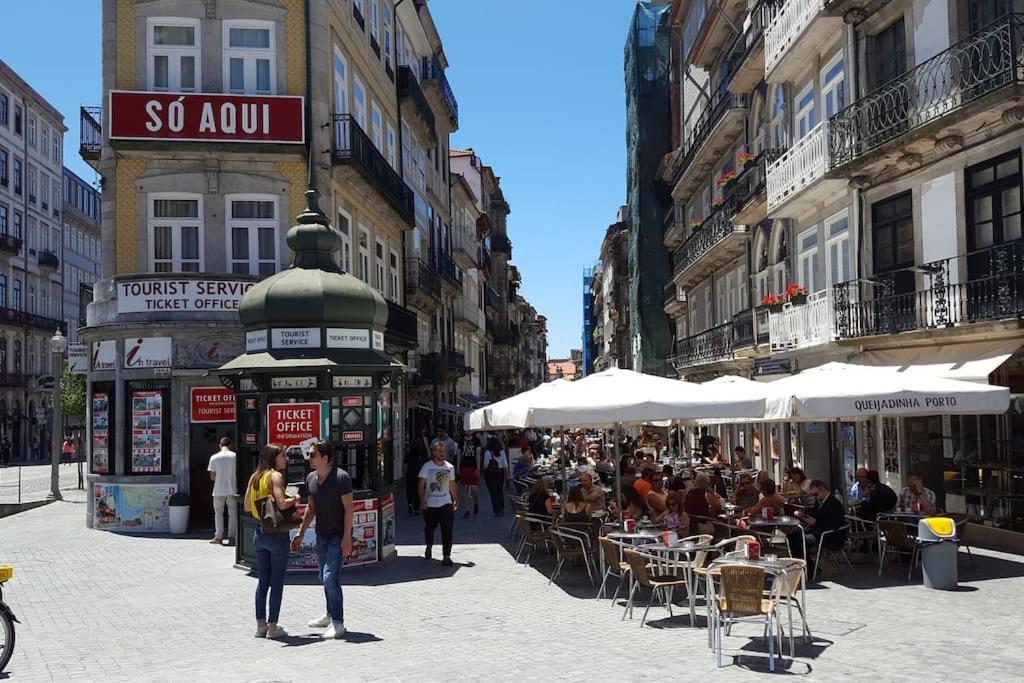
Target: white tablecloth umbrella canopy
[618, 396]
[846, 391]
[494, 416]
[741, 387]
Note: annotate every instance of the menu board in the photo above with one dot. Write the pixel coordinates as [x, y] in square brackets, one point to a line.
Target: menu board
[101, 433]
[387, 526]
[364, 532]
[141, 508]
[147, 431]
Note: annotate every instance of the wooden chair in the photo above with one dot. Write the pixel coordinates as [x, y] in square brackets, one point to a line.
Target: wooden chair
[742, 596]
[893, 538]
[639, 567]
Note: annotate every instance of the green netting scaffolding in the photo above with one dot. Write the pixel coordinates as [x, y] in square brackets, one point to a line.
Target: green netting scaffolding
[648, 139]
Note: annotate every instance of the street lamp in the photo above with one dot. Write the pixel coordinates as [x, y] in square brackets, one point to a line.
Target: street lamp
[58, 344]
[435, 364]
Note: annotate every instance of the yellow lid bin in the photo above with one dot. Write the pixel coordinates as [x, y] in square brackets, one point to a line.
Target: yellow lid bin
[942, 528]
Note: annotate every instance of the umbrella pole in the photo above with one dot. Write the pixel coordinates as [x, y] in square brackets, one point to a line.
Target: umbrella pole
[618, 472]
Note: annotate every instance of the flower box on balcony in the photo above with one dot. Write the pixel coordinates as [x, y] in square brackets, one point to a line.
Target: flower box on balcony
[798, 299]
[796, 294]
[773, 302]
[746, 160]
[695, 224]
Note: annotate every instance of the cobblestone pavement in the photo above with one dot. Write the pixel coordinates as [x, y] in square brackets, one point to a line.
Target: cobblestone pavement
[34, 481]
[99, 606]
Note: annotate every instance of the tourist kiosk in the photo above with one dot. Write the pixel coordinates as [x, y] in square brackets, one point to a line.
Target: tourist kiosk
[314, 367]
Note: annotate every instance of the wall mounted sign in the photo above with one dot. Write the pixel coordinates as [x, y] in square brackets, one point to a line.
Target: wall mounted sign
[179, 295]
[205, 117]
[104, 355]
[352, 382]
[147, 431]
[378, 340]
[147, 352]
[100, 432]
[207, 352]
[78, 358]
[345, 338]
[290, 424]
[351, 436]
[212, 404]
[295, 338]
[246, 384]
[285, 383]
[351, 401]
[256, 340]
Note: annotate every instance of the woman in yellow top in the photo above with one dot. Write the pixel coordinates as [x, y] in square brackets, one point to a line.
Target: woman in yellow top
[271, 549]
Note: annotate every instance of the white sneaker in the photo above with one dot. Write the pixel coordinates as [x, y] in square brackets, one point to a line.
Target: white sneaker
[325, 620]
[261, 631]
[334, 632]
[275, 631]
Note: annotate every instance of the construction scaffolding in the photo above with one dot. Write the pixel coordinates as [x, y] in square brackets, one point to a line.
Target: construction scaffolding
[648, 140]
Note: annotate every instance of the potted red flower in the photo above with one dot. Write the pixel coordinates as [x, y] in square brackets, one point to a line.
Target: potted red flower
[796, 294]
[773, 302]
[746, 159]
[695, 224]
[726, 179]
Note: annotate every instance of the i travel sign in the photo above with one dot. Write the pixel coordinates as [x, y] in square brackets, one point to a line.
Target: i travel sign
[289, 424]
[180, 296]
[205, 117]
[147, 352]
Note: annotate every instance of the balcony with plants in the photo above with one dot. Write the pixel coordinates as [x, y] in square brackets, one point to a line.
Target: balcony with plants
[967, 87]
[983, 286]
[713, 242]
[798, 320]
[792, 40]
[715, 129]
[747, 192]
[353, 148]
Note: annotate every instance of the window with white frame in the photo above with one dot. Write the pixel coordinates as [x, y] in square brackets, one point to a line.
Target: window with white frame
[380, 267]
[838, 267]
[252, 229]
[172, 59]
[175, 233]
[31, 131]
[377, 127]
[364, 256]
[249, 58]
[807, 258]
[44, 139]
[31, 183]
[833, 89]
[345, 228]
[390, 140]
[387, 18]
[56, 149]
[375, 19]
[359, 102]
[394, 274]
[44, 190]
[805, 111]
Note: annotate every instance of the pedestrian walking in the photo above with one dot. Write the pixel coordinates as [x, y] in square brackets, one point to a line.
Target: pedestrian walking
[495, 473]
[469, 477]
[225, 494]
[439, 500]
[271, 548]
[330, 503]
[67, 450]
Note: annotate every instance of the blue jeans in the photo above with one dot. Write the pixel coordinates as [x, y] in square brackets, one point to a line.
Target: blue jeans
[272, 562]
[328, 557]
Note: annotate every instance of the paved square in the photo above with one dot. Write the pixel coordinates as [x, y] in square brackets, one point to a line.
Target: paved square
[98, 606]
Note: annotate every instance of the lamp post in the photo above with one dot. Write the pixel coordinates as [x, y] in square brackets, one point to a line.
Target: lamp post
[58, 344]
[435, 363]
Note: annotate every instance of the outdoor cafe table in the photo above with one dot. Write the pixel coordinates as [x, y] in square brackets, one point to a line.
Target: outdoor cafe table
[780, 522]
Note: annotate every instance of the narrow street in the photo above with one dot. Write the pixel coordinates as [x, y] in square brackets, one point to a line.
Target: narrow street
[33, 482]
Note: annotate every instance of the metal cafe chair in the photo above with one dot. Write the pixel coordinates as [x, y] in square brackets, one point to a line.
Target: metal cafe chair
[572, 543]
[640, 565]
[894, 538]
[612, 551]
[835, 554]
[534, 529]
[741, 595]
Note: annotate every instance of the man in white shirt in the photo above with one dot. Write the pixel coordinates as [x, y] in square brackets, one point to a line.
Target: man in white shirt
[439, 500]
[222, 474]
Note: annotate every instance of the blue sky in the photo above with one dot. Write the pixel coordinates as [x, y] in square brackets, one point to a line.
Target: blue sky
[540, 91]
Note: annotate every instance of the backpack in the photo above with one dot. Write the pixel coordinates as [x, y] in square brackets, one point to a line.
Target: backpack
[493, 467]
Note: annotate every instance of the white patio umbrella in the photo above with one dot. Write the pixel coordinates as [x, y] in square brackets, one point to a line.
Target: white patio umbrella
[493, 416]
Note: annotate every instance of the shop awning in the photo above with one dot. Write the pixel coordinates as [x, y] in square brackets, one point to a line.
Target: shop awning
[972, 361]
[450, 408]
[474, 400]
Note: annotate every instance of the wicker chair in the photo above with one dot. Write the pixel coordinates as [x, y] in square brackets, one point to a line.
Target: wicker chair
[640, 565]
[614, 565]
[893, 538]
[742, 597]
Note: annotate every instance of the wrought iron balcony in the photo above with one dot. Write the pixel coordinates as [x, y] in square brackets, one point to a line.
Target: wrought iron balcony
[675, 227]
[719, 343]
[456, 362]
[983, 286]
[501, 244]
[803, 326]
[793, 37]
[48, 259]
[353, 147]
[675, 299]
[747, 196]
[987, 61]
[433, 73]
[10, 244]
[422, 284]
[707, 29]
[449, 270]
[718, 123]
[90, 133]
[402, 328]
[491, 297]
[716, 242]
[13, 380]
[797, 178]
[746, 56]
[11, 316]
[409, 89]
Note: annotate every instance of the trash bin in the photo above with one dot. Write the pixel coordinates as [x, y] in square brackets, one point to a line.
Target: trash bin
[938, 541]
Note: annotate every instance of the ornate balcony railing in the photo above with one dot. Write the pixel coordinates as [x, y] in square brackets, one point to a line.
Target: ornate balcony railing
[433, 71]
[48, 259]
[988, 60]
[802, 164]
[90, 133]
[500, 244]
[712, 231]
[421, 278]
[402, 327]
[490, 297]
[456, 362]
[674, 295]
[759, 17]
[799, 327]
[983, 286]
[409, 88]
[709, 346]
[13, 380]
[353, 146]
[11, 316]
[721, 101]
[787, 26]
[10, 243]
[753, 181]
